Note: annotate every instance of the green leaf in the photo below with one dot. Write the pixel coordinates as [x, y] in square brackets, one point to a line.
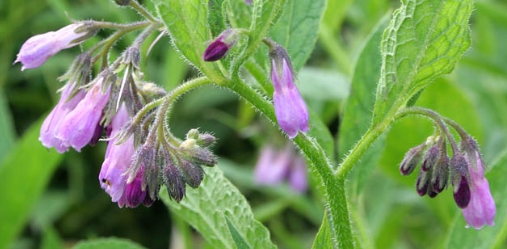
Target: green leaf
[26, 170]
[51, 240]
[207, 207]
[216, 18]
[323, 238]
[487, 237]
[357, 115]
[187, 23]
[109, 243]
[238, 240]
[297, 29]
[423, 41]
[6, 127]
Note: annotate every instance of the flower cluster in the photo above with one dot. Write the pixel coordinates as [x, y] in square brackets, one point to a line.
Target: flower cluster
[464, 170]
[141, 152]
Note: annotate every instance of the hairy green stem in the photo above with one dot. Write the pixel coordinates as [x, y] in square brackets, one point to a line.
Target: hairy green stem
[334, 188]
[141, 10]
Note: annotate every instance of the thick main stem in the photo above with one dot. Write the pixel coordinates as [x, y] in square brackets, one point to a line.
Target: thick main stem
[334, 188]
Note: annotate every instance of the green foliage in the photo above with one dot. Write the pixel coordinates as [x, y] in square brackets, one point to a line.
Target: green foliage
[358, 109]
[220, 213]
[110, 243]
[423, 41]
[323, 238]
[21, 171]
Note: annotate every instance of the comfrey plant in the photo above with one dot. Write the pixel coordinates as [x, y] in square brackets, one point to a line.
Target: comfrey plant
[255, 49]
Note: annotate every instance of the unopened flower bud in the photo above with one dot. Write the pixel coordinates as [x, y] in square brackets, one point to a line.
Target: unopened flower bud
[173, 180]
[440, 174]
[36, 50]
[192, 174]
[205, 140]
[132, 56]
[412, 158]
[221, 45]
[459, 167]
[422, 183]
[431, 157]
[201, 156]
[193, 134]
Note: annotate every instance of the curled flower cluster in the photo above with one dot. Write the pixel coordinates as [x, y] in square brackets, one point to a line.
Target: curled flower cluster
[141, 152]
[464, 171]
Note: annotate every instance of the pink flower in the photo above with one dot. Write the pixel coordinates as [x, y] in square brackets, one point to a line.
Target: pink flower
[36, 50]
[79, 126]
[113, 177]
[290, 108]
[481, 209]
[54, 121]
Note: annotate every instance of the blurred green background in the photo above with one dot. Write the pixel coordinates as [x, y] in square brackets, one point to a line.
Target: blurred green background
[53, 201]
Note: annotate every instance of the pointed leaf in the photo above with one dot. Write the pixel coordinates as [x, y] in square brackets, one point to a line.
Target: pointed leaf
[423, 41]
[21, 171]
[323, 238]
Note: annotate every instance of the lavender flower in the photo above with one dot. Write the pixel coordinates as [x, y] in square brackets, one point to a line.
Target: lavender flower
[481, 209]
[118, 159]
[290, 108]
[275, 166]
[78, 127]
[54, 121]
[36, 50]
[220, 46]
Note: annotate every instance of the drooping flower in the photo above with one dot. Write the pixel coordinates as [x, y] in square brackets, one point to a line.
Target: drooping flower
[36, 50]
[221, 45]
[481, 209]
[118, 159]
[273, 167]
[53, 122]
[79, 126]
[290, 108]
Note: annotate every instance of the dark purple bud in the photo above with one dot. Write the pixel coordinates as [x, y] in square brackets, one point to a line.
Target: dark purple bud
[440, 174]
[220, 46]
[173, 181]
[192, 174]
[133, 195]
[462, 193]
[249, 2]
[412, 158]
[422, 183]
[432, 193]
[146, 155]
[430, 158]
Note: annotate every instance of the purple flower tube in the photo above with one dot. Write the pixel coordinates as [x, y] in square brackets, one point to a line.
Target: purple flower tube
[36, 50]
